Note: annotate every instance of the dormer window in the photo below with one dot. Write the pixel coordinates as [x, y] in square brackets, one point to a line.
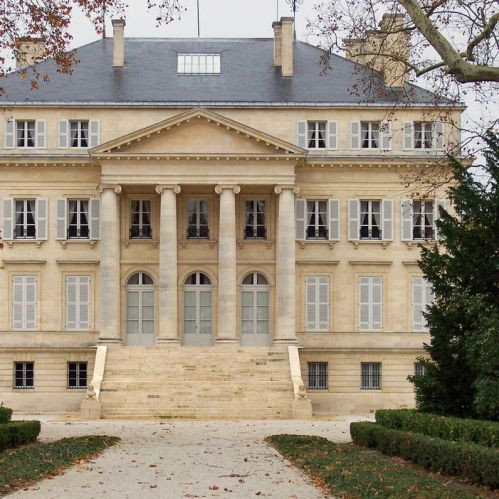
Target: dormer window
[198, 64]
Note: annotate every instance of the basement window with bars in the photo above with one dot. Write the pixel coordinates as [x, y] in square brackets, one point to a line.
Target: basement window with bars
[77, 375]
[198, 64]
[24, 375]
[317, 376]
[370, 376]
[419, 369]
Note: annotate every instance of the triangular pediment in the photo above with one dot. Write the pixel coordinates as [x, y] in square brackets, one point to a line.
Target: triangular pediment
[201, 132]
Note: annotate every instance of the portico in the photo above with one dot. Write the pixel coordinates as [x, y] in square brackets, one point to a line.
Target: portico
[198, 233]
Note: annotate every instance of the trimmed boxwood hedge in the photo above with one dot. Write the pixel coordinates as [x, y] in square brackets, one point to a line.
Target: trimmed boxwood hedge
[18, 433]
[448, 428]
[475, 462]
[5, 414]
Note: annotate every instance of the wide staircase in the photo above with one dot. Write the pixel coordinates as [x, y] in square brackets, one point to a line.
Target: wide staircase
[196, 382]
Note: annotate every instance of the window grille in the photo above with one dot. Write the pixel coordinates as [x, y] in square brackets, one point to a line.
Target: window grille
[77, 375]
[419, 369]
[371, 375]
[318, 376]
[24, 373]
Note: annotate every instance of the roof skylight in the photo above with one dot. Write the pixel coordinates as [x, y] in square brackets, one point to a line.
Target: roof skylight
[198, 64]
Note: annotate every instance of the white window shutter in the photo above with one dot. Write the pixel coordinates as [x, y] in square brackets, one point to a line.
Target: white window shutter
[41, 218]
[40, 133]
[94, 215]
[364, 305]
[332, 134]
[77, 302]
[323, 303]
[334, 219]
[301, 134]
[406, 220]
[10, 137]
[301, 216]
[71, 302]
[353, 219]
[94, 126]
[30, 308]
[386, 135]
[8, 219]
[61, 219]
[24, 302]
[408, 136]
[377, 302]
[355, 135]
[17, 302]
[438, 204]
[438, 135]
[417, 303]
[84, 303]
[63, 134]
[387, 214]
[310, 303]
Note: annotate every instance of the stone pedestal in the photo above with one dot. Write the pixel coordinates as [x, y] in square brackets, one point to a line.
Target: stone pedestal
[227, 285]
[90, 409]
[302, 408]
[285, 267]
[168, 315]
[110, 330]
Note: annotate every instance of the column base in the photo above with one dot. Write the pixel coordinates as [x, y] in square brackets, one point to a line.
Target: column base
[109, 341]
[226, 341]
[284, 342]
[168, 342]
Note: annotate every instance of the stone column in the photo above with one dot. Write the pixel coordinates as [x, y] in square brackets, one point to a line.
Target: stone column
[168, 318]
[227, 285]
[285, 328]
[110, 290]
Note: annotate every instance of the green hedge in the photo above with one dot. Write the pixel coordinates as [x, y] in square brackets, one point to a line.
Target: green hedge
[448, 428]
[18, 433]
[5, 414]
[474, 462]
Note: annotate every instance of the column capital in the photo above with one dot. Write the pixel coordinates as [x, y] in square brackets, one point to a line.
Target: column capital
[168, 187]
[115, 187]
[282, 187]
[227, 187]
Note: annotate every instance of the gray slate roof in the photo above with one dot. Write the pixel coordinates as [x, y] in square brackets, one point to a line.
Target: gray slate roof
[248, 76]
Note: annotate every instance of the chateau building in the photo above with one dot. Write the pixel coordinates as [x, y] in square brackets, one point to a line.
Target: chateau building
[214, 228]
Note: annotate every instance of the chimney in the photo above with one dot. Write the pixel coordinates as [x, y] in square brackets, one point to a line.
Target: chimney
[287, 35]
[388, 40]
[118, 42]
[277, 43]
[29, 51]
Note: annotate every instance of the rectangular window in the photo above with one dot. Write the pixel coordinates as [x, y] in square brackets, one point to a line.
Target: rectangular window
[24, 375]
[370, 303]
[77, 302]
[423, 135]
[78, 227]
[254, 225]
[423, 220]
[316, 138]
[422, 297]
[317, 219]
[24, 302]
[317, 303]
[78, 134]
[369, 131]
[77, 375]
[25, 227]
[419, 369]
[370, 220]
[140, 219]
[198, 219]
[317, 376]
[25, 133]
[370, 376]
[198, 64]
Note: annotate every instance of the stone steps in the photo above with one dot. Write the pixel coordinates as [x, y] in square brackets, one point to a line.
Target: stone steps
[196, 382]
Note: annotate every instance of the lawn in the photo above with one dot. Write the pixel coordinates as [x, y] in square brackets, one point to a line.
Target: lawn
[346, 470]
[25, 465]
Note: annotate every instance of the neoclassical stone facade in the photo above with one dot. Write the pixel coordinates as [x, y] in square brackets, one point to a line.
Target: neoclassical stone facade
[212, 197]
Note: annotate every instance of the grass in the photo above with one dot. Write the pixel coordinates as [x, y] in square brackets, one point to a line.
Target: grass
[346, 470]
[25, 465]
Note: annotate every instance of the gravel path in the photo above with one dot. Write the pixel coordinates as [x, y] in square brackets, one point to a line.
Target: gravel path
[170, 459]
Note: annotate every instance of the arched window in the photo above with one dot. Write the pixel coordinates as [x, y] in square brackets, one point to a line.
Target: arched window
[255, 310]
[197, 309]
[140, 309]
